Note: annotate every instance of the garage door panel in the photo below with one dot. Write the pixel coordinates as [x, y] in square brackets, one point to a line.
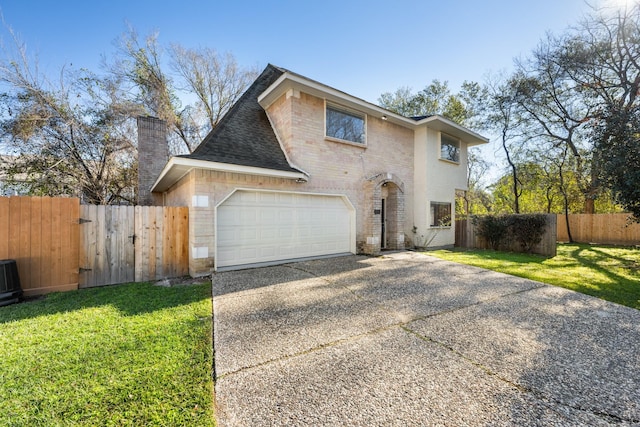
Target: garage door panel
[248, 253]
[263, 226]
[268, 215]
[285, 234]
[267, 252]
[285, 198]
[225, 216]
[248, 215]
[268, 234]
[226, 256]
[226, 235]
[285, 214]
[248, 234]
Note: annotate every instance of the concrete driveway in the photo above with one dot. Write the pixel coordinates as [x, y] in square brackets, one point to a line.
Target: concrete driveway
[407, 339]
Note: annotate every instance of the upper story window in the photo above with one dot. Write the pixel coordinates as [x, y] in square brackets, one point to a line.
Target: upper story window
[449, 148]
[345, 125]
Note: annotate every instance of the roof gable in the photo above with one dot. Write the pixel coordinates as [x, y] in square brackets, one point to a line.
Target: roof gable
[244, 136]
[289, 80]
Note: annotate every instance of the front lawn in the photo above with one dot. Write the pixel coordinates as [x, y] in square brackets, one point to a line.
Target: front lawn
[127, 355]
[607, 272]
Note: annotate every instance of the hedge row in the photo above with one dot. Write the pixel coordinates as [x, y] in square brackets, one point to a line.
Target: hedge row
[527, 229]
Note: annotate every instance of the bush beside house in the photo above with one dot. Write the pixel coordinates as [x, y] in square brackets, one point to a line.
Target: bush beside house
[529, 233]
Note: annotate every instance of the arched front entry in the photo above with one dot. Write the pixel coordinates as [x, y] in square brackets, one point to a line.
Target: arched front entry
[385, 221]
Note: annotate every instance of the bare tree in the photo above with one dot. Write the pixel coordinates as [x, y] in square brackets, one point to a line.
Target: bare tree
[477, 168]
[575, 82]
[502, 117]
[71, 136]
[215, 81]
[557, 112]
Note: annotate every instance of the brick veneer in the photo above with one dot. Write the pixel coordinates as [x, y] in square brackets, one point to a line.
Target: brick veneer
[153, 154]
[357, 172]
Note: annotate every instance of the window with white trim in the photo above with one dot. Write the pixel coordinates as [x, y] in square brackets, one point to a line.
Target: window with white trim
[449, 148]
[345, 125]
[440, 214]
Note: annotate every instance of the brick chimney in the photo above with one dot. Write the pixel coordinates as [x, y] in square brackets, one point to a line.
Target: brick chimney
[153, 155]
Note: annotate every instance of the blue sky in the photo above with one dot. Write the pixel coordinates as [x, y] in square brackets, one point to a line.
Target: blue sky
[363, 48]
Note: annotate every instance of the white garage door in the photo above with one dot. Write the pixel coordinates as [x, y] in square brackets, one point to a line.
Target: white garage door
[262, 227]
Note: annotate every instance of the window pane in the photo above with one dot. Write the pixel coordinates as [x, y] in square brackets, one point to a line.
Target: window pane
[449, 148]
[345, 125]
[440, 214]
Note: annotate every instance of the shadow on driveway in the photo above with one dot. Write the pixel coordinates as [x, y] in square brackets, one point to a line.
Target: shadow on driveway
[406, 339]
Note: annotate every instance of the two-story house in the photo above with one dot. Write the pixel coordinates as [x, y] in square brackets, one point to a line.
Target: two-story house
[297, 169]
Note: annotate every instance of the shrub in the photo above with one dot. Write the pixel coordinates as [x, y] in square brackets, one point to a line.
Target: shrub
[492, 228]
[527, 229]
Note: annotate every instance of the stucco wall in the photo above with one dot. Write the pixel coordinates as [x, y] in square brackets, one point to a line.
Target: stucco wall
[440, 179]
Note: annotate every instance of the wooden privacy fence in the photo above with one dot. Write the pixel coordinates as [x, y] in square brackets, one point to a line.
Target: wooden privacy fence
[467, 238]
[611, 229]
[60, 245]
[42, 235]
[132, 243]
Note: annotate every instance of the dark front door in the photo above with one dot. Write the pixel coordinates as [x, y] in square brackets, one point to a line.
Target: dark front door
[383, 218]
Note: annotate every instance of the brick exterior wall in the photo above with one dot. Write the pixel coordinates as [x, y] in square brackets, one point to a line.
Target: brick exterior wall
[384, 167]
[153, 154]
[213, 187]
[336, 167]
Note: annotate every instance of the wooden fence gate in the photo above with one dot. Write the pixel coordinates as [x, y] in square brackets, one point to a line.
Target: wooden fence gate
[122, 244]
[107, 242]
[60, 245]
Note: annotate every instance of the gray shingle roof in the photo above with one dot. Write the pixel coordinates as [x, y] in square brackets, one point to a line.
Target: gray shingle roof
[418, 118]
[244, 136]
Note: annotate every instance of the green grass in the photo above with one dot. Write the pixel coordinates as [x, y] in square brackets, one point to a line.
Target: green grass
[128, 355]
[607, 272]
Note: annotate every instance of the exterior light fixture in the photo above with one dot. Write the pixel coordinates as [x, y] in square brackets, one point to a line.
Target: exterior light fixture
[384, 117]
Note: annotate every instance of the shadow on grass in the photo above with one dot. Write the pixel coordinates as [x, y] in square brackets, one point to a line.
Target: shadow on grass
[593, 270]
[618, 288]
[490, 254]
[130, 299]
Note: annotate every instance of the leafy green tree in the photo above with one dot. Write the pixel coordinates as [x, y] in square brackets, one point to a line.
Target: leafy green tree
[403, 101]
[436, 98]
[619, 137]
[546, 188]
[573, 84]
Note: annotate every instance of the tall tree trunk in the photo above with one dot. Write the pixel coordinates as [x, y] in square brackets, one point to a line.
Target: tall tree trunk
[565, 197]
[593, 187]
[514, 172]
[589, 205]
[516, 194]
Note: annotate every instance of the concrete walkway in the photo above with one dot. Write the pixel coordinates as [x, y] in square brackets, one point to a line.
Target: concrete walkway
[407, 339]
